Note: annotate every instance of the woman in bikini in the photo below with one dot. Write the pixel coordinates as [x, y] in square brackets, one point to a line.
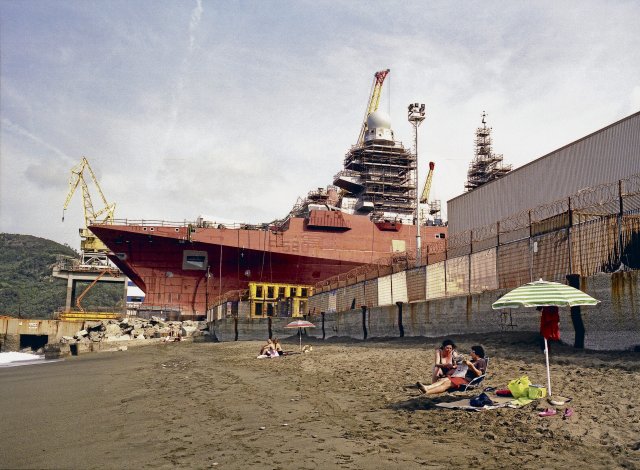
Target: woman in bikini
[444, 362]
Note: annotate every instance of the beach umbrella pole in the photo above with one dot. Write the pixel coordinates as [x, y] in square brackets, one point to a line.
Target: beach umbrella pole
[546, 357]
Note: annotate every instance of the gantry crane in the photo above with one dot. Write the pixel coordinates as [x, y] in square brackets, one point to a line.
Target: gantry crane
[374, 100]
[93, 250]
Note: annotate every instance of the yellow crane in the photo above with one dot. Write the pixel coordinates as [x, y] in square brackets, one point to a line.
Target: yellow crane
[89, 244]
[374, 100]
[427, 184]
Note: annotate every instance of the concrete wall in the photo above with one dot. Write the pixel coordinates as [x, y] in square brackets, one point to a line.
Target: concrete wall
[612, 325]
[12, 328]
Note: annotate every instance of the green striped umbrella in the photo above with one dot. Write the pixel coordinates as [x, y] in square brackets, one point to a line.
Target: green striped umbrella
[544, 293]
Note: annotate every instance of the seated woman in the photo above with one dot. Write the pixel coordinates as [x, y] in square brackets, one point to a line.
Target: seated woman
[476, 367]
[444, 362]
[277, 348]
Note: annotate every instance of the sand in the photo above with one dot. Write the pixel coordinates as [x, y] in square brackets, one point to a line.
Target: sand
[348, 404]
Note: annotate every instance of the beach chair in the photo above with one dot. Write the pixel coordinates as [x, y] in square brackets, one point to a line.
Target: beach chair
[475, 383]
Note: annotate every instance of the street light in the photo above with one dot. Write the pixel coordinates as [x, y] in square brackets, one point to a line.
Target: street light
[416, 116]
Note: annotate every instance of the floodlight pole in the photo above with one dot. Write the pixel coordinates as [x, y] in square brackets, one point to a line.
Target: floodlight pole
[416, 115]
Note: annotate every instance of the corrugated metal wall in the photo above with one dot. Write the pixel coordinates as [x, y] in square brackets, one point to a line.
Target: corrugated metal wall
[608, 155]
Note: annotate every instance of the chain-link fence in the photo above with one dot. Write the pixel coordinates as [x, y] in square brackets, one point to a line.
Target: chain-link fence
[596, 230]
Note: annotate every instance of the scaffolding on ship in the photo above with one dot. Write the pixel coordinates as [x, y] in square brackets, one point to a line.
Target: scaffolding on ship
[486, 166]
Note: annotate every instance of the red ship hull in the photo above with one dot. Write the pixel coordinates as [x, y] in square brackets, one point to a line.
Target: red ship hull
[185, 267]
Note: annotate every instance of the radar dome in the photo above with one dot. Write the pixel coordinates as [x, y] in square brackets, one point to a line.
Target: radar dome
[378, 119]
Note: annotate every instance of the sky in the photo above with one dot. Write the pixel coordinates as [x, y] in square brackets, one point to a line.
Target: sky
[234, 109]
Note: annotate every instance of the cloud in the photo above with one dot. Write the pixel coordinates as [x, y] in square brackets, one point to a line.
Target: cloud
[232, 111]
[16, 129]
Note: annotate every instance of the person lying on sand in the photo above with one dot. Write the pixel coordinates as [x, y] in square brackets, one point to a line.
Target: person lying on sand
[445, 360]
[476, 367]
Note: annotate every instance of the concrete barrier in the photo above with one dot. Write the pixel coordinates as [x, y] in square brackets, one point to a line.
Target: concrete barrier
[612, 325]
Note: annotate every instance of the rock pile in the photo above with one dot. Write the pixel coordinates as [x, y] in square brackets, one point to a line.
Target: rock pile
[135, 329]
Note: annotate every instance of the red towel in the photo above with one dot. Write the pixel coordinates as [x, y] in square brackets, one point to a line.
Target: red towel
[550, 323]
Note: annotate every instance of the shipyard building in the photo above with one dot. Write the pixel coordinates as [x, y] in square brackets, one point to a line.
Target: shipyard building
[605, 156]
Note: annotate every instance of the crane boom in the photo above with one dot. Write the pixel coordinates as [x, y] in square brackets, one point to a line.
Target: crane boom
[89, 242]
[374, 100]
[77, 179]
[427, 184]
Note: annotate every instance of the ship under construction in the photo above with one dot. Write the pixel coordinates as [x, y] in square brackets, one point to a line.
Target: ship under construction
[367, 216]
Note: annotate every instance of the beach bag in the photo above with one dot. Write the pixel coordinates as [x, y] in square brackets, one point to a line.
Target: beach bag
[481, 400]
[519, 387]
[536, 391]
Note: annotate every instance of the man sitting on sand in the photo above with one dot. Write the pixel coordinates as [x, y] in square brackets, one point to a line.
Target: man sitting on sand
[476, 367]
[267, 348]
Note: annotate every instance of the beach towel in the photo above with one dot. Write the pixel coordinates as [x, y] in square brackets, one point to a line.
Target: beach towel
[550, 323]
[498, 402]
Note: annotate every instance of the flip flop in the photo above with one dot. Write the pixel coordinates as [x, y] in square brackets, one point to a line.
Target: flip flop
[568, 413]
[420, 386]
[547, 412]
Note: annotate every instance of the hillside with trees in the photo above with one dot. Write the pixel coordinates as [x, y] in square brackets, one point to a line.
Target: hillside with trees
[27, 287]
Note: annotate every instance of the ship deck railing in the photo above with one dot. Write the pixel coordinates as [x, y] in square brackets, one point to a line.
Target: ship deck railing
[185, 224]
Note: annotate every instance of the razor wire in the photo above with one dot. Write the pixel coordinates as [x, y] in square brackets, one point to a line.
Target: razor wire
[535, 243]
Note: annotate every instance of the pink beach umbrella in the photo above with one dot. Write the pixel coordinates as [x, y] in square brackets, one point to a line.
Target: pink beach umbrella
[300, 324]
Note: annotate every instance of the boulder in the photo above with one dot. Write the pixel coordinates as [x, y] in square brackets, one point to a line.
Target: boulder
[135, 332]
[188, 330]
[95, 336]
[112, 329]
[94, 325]
[55, 351]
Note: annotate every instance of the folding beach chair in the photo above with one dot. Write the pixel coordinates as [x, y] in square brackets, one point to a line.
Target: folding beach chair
[475, 383]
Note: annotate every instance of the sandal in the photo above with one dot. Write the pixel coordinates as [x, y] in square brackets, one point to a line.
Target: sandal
[547, 412]
[568, 413]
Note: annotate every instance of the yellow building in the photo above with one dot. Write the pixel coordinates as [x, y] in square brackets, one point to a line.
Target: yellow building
[278, 300]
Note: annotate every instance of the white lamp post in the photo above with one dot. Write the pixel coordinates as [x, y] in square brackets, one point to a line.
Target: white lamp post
[416, 116]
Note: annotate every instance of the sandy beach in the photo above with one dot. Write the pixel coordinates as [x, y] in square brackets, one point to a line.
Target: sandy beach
[348, 404]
